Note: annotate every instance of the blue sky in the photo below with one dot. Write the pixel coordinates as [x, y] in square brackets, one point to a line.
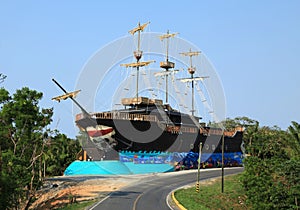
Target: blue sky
[254, 46]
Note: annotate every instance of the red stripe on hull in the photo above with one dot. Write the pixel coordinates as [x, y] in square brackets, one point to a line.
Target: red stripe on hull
[97, 133]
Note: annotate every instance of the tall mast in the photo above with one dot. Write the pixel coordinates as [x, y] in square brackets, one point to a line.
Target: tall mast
[138, 55]
[192, 70]
[167, 64]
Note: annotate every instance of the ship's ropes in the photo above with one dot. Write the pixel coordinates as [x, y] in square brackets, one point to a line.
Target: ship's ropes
[204, 100]
[179, 95]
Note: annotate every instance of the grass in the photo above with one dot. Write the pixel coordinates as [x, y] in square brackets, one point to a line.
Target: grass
[210, 196]
[78, 206]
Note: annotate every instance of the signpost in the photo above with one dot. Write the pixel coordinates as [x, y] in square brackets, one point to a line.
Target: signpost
[199, 163]
[222, 188]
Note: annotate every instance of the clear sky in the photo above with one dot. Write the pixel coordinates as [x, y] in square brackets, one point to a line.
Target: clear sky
[254, 46]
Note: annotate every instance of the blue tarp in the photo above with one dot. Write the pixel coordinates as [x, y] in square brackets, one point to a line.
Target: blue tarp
[114, 168]
[154, 162]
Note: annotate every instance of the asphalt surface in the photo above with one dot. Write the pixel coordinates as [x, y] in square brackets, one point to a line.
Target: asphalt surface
[152, 191]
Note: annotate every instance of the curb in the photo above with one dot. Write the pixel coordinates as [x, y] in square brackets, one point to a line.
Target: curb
[188, 185]
[177, 202]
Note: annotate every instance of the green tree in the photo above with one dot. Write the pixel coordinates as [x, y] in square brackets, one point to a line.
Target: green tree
[271, 176]
[250, 128]
[28, 149]
[294, 139]
[59, 153]
[22, 144]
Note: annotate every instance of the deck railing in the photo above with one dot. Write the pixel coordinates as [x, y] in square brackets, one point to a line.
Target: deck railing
[124, 116]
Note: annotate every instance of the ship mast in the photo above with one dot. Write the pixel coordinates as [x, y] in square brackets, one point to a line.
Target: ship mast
[138, 55]
[192, 70]
[167, 64]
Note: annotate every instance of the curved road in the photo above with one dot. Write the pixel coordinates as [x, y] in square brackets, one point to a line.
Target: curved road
[152, 192]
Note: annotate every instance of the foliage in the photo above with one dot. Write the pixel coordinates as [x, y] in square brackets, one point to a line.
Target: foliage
[24, 144]
[294, 138]
[23, 124]
[60, 152]
[271, 177]
[210, 196]
[250, 128]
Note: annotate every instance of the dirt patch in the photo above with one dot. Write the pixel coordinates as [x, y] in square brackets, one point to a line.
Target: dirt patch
[56, 194]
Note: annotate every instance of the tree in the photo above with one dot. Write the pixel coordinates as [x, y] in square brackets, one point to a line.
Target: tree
[22, 144]
[271, 176]
[294, 139]
[60, 152]
[250, 128]
[28, 149]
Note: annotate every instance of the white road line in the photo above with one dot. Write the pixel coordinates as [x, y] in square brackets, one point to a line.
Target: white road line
[100, 201]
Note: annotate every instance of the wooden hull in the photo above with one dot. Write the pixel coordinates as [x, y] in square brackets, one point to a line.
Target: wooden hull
[148, 136]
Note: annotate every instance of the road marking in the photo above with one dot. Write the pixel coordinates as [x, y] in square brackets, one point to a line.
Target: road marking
[136, 200]
[177, 202]
[100, 202]
[167, 200]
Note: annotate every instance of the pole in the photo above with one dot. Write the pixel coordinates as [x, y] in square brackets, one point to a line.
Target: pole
[193, 95]
[199, 163]
[81, 108]
[166, 88]
[222, 188]
[137, 84]
[137, 60]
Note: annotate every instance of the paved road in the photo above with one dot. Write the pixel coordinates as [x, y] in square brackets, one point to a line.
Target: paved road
[152, 191]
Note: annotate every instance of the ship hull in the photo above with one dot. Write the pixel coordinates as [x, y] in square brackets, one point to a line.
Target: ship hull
[148, 137]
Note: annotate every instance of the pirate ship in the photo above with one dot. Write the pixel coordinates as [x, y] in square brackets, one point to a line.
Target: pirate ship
[148, 125]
